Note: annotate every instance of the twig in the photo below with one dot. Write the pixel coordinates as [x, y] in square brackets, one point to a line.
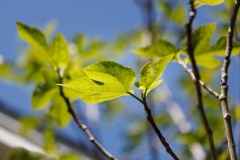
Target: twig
[192, 14]
[204, 85]
[154, 126]
[81, 125]
[224, 86]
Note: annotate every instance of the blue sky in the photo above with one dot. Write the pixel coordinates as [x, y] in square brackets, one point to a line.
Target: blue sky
[103, 19]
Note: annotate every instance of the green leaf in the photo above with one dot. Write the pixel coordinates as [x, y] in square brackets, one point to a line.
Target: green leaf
[44, 92]
[149, 74]
[49, 141]
[59, 112]
[198, 3]
[207, 61]
[201, 38]
[59, 52]
[105, 80]
[159, 49]
[23, 154]
[219, 48]
[33, 36]
[42, 96]
[28, 124]
[70, 157]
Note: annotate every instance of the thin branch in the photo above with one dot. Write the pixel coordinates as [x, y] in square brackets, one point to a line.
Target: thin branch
[192, 14]
[81, 125]
[158, 132]
[224, 85]
[154, 126]
[204, 85]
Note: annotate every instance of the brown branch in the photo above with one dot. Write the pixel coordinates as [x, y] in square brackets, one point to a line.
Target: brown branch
[154, 126]
[192, 14]
[204, 85]
[224, 85]
[81, 125]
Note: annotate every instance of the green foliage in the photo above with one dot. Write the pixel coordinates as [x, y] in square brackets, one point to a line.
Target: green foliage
[59, 112]
[23, 154]
[59, 52]
[201, 38]
[28, 124]
[33, 36]
[198, 3]
[105, 80]
[160, 49]
[149, 74]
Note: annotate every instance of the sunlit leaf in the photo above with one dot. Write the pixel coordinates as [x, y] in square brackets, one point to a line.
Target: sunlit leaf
[23, 154]
[105, 80]
[28, 124]
[207, 61]
[59, 51]
[70, 157]
[59, 112]
[201, 38]
[33, 36]
[219, 48]
[198, 3]
[150, 74]
[159, 49]
[49, 141]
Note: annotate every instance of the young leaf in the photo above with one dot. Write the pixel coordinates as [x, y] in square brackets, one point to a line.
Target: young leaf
[220, 47]
[59, 112]
[42, 96]
[198, 3]
[159, 49]
[33, 36]
[59, 52]
[105, 80]
[149, 74]
[201, 38]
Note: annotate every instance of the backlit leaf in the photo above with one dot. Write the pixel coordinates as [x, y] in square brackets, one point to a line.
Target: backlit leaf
[198, 3]
[149, 74]
[159, 49]
[33, 36]
[201, 38]
[59, 51]
[59, 112]
[105, 80]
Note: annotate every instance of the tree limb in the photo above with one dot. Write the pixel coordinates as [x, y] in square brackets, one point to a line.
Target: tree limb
[154, 126]
[224, 86]
[192, 14]
[81, 125]
[204, 85]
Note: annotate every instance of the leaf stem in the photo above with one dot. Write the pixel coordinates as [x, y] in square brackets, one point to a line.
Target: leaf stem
[204, 85]
[224, 85]
[192, 14]
[81, 125]
[154, 126]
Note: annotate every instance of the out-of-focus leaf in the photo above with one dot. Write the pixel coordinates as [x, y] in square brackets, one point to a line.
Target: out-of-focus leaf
[207, 61]
[105, 80]
[237, 113]
[201, 38]
[198, 3]
[28, 124]
[33, 36]
[160, 49]
[42, 96]
[70, 157]
[219, 48]
[59, 52]
[149, 74]
[23, 154]
[49, 140]
[59, 112]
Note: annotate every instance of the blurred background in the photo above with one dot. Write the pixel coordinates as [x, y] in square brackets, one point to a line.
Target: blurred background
[111, 30]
